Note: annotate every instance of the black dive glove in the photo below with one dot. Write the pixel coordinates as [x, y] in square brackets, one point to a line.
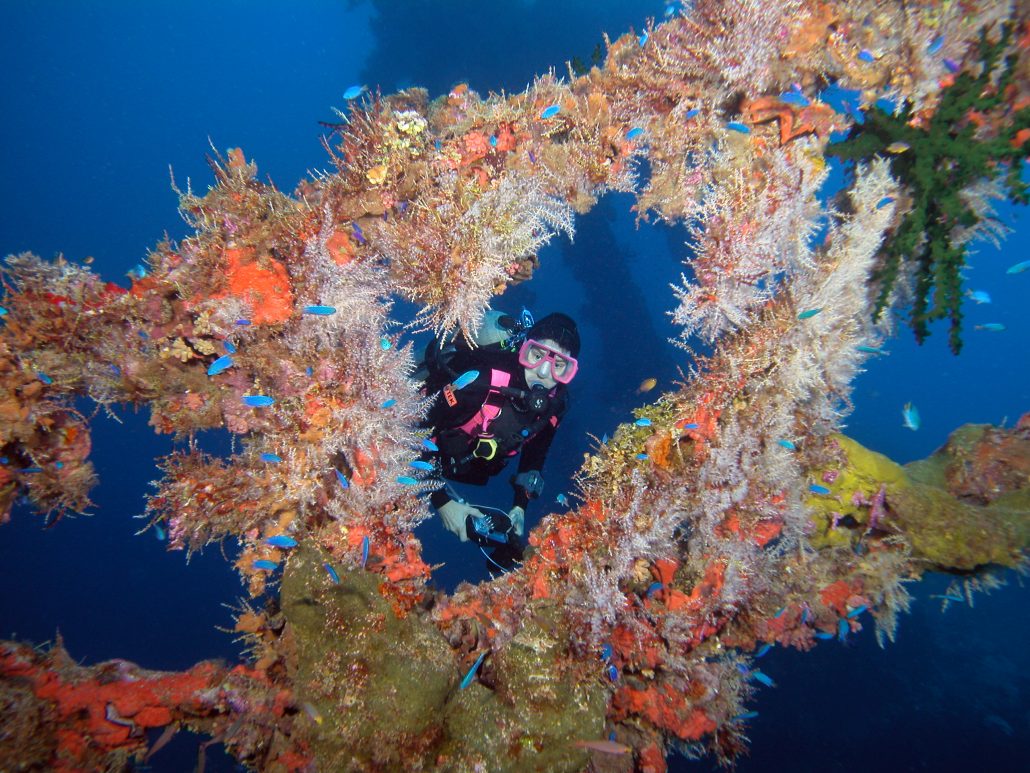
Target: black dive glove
[530, 481]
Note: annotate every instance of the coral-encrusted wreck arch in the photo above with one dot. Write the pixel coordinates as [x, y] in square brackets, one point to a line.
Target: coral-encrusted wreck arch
[729, 515]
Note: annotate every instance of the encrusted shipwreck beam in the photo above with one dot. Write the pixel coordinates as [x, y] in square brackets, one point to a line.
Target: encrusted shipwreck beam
[728, 515]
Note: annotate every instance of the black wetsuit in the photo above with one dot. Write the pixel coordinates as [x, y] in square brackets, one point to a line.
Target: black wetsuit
[515, 419]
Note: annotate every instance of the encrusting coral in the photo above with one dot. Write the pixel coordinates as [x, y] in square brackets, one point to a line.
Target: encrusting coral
[736, 515]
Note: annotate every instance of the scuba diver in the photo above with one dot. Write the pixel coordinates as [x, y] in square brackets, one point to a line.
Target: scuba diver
[500, 397]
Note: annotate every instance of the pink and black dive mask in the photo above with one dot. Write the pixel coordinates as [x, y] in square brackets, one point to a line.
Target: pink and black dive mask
[560, 366]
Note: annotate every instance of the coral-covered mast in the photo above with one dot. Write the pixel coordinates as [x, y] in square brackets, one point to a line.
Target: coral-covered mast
[729, 514]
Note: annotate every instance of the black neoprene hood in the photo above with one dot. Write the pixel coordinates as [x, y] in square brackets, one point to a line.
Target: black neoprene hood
[561, 329]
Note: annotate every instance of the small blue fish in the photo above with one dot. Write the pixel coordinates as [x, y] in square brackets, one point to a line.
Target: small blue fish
[606, 652]
[385, 343]
[815, 488]
[429, 445]
[935, 45]
[420, 464]
[229, 348]
[743, 668]
[692, 425]
[342, 478]
[806, 615]
[59, 465]
[780, 612]
[843, 629]
[694, 111]
[331, 572]
[643, 422]
[764, 649]
[270, 457]
[794, 98]
[562, 500]
[947, 596]
[910, 417]
[991, 327]
[243, 322]
[604, 438]
[856, 612]
[364, 551]
[737, 126]
[406, 480]
[493, 140]
[633, 133]
[979, 296]
[309, 371]
[220, 365]
[354, 92]
[884, 202]
[745, 715]
[281, 541]
[809, 313]
[3, 311]
[32, 470]
[866, 55]
[763, 678]
[268, 566]
[532, 157]
[550, 112]
[44, 377]
[653, 588]
[160, 532]
[320, 311]
[1019, 268]
[258, 401]
[952, 65]
[641, 456]
[823, 635]
[388, 403]
[139, 271]
[613, 673]
[143, 335]
[643, 40]
[467, 679]
[359, 235]
[787, 444]
[869, 349]
[465, 379]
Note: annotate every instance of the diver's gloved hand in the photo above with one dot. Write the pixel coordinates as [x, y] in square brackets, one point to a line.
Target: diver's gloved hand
[453, 514]
[531, 481]
[518, 520]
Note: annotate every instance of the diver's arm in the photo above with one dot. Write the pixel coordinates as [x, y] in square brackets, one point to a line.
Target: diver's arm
[534, 453]
[439, 498]
[532, 458]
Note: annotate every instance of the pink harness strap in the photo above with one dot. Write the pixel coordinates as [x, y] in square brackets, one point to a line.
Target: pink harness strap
[480, 422]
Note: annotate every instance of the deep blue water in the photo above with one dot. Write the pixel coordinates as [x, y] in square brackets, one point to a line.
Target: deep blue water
[100, 98]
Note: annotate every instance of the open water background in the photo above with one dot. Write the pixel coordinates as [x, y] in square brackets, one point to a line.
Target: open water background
[99, 98]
